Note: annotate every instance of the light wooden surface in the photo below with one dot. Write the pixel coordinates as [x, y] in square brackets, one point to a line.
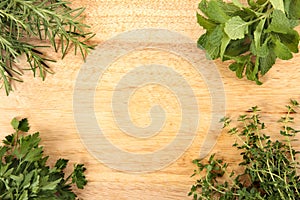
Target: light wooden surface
[49, 104]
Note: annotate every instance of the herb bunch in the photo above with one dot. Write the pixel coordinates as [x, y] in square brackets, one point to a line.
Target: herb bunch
[24, 173]
[253, 35]
[269, 168]
[25, 22]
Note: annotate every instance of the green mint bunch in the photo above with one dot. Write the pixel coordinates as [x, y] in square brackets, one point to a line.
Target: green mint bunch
[24, 174]
[268, 170]
[253, 36]
[29, 27]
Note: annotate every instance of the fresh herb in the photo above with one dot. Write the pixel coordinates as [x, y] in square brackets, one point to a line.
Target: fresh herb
[268, 169]
[25, 22]
[253, 36]
[24, 173]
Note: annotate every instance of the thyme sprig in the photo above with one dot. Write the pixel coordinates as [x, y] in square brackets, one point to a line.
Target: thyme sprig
[269, 167]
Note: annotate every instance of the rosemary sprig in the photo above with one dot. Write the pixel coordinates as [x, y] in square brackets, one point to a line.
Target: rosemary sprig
[24, 21]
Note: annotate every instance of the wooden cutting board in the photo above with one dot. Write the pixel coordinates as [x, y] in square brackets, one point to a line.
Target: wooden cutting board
[49, 105]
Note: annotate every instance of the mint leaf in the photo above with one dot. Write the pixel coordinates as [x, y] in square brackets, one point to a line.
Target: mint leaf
[237, 47]
[215, 12]
[224, 43]
[205, 23]
[287, 4]
[237, 3]
[263, 50]
[212, 52]
[260, 51]
[291, 40]
[278, 4]
[203, 5]
[282, 51]
[229, 8]
[267, 62]
[294, 10]
[236, 28]
[202, 41]
[280, 23]
[238, 68]
[216, 36]
[252, 35]
[258, 32]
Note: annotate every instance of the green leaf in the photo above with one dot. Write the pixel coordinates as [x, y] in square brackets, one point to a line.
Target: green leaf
[24, 195]
[224, 43]
[17, 179]
[258, 32]
[229, 8]
[294, 23]
[2, 152]
[61, 164]
[280, 23]
[5, 172]
[51, 185]
[34, 155]
[78, 176]
[295, 9]
[27, 180]
[215, 12]
[215, 36]
[237, 47]
[23, 125]
[210, 42]
[237, 3]
[203, 5]
[251, 70]
[213, 52]
[205, 23]
[9, 140]
[202, 41]
[238, 68]
[15, 123]
[282, 51]
[35, 183]
[260, 51]
[287, 4]
[278, 4]
[267, 62]
[291, 40]
[236, 28]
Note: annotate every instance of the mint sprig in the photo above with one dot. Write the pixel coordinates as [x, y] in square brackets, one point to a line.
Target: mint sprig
[253, 35]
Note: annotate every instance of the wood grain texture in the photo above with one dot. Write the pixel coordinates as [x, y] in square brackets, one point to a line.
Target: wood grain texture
[49, 104]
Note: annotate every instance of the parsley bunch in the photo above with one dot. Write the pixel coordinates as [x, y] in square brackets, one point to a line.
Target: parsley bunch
[24, 173]
[269, 168]
[25, 22]
[253, 36]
